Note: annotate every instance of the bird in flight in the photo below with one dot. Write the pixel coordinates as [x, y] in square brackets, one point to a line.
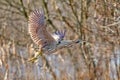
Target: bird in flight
[47, 42]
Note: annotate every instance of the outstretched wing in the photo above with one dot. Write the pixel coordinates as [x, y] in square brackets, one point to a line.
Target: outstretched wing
[37, 29]
[59, 35]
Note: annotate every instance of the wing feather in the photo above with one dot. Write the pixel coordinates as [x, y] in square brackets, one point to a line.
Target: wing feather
[37, 29]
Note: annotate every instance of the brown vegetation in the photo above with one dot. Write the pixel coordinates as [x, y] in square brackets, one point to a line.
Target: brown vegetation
[95, 21]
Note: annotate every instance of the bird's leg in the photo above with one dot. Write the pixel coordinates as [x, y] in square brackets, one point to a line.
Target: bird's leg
[36, 56]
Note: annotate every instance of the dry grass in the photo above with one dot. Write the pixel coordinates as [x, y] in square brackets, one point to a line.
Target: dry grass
[97, 22]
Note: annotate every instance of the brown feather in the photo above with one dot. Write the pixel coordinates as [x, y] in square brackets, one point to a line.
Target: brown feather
[37, 29]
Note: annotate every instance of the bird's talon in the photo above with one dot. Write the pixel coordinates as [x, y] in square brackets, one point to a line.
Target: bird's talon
[32, 60]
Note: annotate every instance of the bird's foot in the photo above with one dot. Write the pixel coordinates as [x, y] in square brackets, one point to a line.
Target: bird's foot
[32, 60]
[35, 58]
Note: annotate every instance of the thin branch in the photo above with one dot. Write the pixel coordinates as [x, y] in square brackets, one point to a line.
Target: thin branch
[47, 14]
[24, 10]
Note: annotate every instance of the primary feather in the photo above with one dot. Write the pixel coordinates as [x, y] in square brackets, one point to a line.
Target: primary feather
[37, 29]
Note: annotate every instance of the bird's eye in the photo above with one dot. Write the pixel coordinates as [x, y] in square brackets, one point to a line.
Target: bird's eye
[59, 42]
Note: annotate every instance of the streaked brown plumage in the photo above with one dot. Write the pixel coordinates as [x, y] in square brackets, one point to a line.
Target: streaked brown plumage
[39, 34]
[37, 29]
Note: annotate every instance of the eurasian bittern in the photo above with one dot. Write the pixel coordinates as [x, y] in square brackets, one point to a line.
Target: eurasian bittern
[47, 43]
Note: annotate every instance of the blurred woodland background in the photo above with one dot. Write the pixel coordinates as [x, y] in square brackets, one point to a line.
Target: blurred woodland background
[95, 21]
